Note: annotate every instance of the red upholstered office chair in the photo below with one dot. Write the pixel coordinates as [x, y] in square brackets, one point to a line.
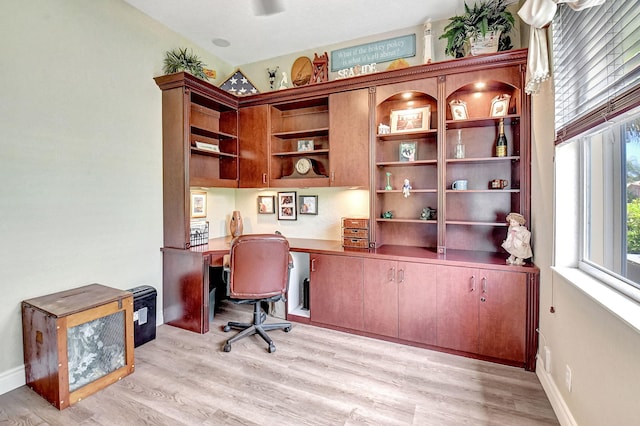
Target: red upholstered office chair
[258, 271]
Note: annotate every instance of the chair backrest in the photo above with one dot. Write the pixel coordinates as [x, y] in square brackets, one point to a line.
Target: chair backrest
[259, 266]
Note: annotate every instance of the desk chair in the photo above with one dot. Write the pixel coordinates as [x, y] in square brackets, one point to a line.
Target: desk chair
[257, 271]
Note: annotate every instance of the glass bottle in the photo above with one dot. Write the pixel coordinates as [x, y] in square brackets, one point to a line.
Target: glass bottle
[501, 142]
[459, 152]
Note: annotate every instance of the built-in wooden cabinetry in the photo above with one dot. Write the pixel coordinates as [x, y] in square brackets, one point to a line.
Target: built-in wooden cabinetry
[439, 281]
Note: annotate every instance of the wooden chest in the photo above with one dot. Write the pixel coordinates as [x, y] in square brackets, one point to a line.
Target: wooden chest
[355, 232]
[77, 342]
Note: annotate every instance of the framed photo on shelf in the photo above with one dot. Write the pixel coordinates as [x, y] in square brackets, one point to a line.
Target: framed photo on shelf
[198, 204]
[410, 120]
[287, 206]
[408, 151]
[500, 105]
[308, 204]
[266, 204]
[458, 109]
[305, 145]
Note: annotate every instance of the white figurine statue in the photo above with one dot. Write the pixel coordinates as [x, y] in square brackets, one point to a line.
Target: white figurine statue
[284, 82]
[406, 188]
[517, 242]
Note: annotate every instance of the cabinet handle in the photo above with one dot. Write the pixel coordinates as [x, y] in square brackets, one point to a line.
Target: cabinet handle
[264, 178]
[333, 176]
[313, 265]
[484, 284]
[473, 283]
[401, 276]
[392, 274]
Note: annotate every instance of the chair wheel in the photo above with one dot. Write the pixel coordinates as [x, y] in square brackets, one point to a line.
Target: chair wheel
[227, 348]
[272, 348]
[226, 329]
[286, 329]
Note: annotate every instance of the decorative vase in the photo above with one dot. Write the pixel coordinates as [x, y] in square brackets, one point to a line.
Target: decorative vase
[487, 44]
[235, 224]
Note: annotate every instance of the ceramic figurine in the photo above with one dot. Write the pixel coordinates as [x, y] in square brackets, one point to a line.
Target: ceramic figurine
[518, 238]
[428, 214]
[388, 187]
[272, 77]
[284, 83]
[406, 188]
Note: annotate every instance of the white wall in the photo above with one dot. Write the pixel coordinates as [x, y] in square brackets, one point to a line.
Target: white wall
[80, 153]
[600, 348]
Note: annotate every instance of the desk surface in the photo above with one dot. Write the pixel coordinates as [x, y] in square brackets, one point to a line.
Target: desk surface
[219, 246]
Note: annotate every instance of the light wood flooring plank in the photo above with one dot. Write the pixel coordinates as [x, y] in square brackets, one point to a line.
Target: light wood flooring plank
[316, 377]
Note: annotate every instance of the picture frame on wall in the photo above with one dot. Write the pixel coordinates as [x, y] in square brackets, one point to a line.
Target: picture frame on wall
[410, 120]
[287, 206]
[309, 204]
[408, 151]
[500, 105]
[458, 110]
[198, 204]
[266, 204]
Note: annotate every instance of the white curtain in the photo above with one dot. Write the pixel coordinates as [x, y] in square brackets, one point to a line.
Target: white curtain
[539, 14]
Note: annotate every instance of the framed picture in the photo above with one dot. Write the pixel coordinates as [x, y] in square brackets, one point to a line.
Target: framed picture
[308, 204]
[198, 204]
[458, 109]
[410, 120]
[500, 105]
[408, 151]
[266, 204]
[305, 145]
[287, 206]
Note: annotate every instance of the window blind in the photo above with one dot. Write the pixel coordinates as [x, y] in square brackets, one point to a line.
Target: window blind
[596, 54]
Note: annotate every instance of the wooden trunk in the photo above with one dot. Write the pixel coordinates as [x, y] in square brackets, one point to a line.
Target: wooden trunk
[77, 342]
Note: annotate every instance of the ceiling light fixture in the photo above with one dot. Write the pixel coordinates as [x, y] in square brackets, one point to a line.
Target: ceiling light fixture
[221, 42]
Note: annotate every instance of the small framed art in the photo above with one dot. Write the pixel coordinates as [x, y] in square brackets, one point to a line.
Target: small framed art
[500, 105]
[305, 145]
[308, 204]
[410, 120]
[198, 204]
[408, 151]
[287, 206]
[266, 204]
[458, 109]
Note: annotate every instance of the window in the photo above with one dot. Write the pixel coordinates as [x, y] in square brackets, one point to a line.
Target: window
[597, 95]
[610, 176]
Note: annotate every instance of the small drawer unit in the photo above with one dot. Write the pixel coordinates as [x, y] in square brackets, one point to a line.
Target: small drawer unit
[355, 232]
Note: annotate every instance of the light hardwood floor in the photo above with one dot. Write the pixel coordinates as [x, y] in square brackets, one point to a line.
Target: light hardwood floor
[315, 377]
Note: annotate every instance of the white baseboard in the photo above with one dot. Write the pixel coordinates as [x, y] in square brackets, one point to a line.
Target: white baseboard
[557, 402]
[12, 379]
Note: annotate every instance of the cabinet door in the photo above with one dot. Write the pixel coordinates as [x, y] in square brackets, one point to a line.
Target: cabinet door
[502, 314]
[336, 290]
[417, 302]
[253, 141]
[381, 297]
[457, 296]
[349, 138]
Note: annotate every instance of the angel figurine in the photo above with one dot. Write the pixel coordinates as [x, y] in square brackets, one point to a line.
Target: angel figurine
[406, 188]
[518, 238]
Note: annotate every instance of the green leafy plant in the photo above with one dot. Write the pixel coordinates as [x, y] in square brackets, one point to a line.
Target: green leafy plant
[183, 60]
[489, 15]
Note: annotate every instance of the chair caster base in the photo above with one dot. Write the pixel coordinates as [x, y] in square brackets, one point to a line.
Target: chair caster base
[272, 349]
[226, 329]
[227, 348]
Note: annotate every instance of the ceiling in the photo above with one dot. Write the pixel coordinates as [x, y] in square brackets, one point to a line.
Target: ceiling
[301, 25]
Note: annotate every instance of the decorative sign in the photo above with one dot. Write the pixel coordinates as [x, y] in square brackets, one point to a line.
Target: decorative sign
[357, 70]
[376, 52]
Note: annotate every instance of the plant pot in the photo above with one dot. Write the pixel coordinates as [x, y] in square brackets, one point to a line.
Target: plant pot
[487, 44]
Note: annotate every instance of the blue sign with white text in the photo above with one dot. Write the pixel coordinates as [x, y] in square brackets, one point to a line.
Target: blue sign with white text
[376, 52]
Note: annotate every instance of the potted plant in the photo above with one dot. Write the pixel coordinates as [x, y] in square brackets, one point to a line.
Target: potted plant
[182, 60]
[487, 22]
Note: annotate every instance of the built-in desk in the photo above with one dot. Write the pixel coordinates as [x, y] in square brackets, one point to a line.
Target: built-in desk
[464, 302]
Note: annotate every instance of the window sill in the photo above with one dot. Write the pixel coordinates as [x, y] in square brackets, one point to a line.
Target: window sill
[620, 305]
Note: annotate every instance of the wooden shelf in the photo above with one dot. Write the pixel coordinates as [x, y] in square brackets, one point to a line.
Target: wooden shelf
[407, 135]
[406, 163]
[399, 191]
[472, 223]
[481, 122]
[483, 159]
[400, 220]
[305, 133]
[301, 153]
[199, 151]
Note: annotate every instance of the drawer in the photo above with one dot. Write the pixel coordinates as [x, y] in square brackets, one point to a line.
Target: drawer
[355, 233]
[354, 223]
[355, 242]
